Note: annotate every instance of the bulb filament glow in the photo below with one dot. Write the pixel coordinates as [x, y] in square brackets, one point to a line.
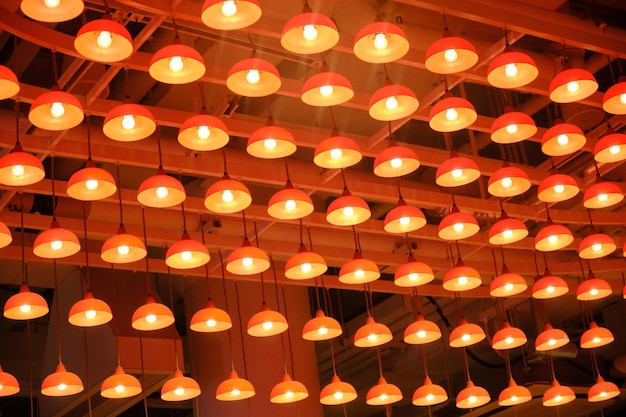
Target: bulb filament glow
[104, 39]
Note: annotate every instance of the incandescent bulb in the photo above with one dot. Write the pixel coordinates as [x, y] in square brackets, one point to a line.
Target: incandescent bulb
[176, 64]
[458, 227]
[450, 55]
[603, 197]
[336, 153]
[413, 276]
[104, 39]
[380, 41]
[120, 389]
[269, 144]
[472, 398]
[404, 221]
[267, 325]
[462, 280]
[421, 334]
[289, 394]
[52, 4]
[253, 76]
[509, 340]
[229, 8]
[338, 395]
[558, 398]
[596, 340]
[203, 132]
[56, 245]
[227, 196]
[348, 211]
[452, 114]
[614, 150]
[507, 233]
[151, 318]
[456, 173]
[552, 342]
[559, 188]
[508, 286]
[511, 129]
[466, 337]
[572, 87]
[550, 289]
[235, 392]
[552, 239]
[359, 273]
[57, 109]
[290, 205]
[162, 192]
[17, 170]
[25, 308]
[306, 267]
[326, 90]
[513, 398]
[510, 70]
[179, 391]
[309, 32]
[90, 314]
[562, 139]
[211, 322]
[128, 121]
[391, 103]
[383, 397]
[62, 387]
[430, 396]
[506, 182]
[396, 163]
[123, 250]
[247, 261]
[322, 330]
[92, 185]
[593, 291]
[372, 337]
[622, 98]
[185, 256]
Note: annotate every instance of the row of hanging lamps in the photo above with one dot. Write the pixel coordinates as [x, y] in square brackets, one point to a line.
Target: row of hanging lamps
[9, 85]
[456, 171]
[290, 203]
[267, 322]
[611, 147]
[571, 84]
[383, 393]
[562, 139]
[457, 225]
[305, 264]
[450, 54]
[230, 14]
[508, 181]
[227, 195]
[321, 327]
[326, 88]
[557, 187]
[104, 40]
[392, 102]
[247, 259]
[380, 42]
[421, 331]
[358, 270]
[347, 210]
[271, 141]
[309, 33]
[451, 114]
[552, 236]
[602, 194]
[203, 132]
[187, 253]
[337, 392]
[253, 77]
[211, 319]
[507, 230]
[52, 11]
[512, 127]
[403, 218]
[395, 160]
[336, 151]
[511, 69]
[372, 333]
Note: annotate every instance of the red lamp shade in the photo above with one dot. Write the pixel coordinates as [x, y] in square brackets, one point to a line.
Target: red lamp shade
[602, 194]
[290, 203]
[56, 110]
[177, 64]
[596, 245]
[90, 312]
[507, 284]
[234, 388]
[266, 323]
[513, 395]
[305, 265]
[550, 338]
[288, 391]
[326, 89]
[512, 69]
[461, 278]
[404, 218]
[152, 316]
[56, 242]
[372, 334]
[602, 391]
[508, 181]
[451, 114]
[227, 196]
[614, 100]
[610, 148]
[507, 230]
[557, 187]
[25, 305]
[61, 383]
[508, 337]
[380, 43]
[337, 152]
[472, 396]
[253, 77]
[358, 270]
[429, 394]
[179, 388]
[52, 11]
[128, 122]
[91, 183]
[321, 327]
[271, 142]
[457, 225]
[187, 253]
[230, 14]
[558, 395]
[392, 102]
[309, 33]
[593, 289]
[562, 139]
[210, 319]
[9, 85]
[19, 168]
[512, 127]
[466, 334]
[450, 55]
[247, 260]
[596, 337]
[553, 237]
[104, 40]
[120, 385]
[456, 171]
[337, 392]
[123, 248]
[8, 384]
[5, 236]
[572, 84]
[395, 161]
[549, 286]
[383, 393]
[421, 331]
[161, 190]
[203, 132]
[347, 210]
[413, 273]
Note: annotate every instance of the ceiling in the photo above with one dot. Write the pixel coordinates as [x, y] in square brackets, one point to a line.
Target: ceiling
[593, 34]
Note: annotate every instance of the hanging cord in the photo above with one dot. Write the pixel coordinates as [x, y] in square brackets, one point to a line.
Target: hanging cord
[191, 337]
[17, 122]
[87, 372]
[293, 368]
[145, 239]
[158, 138]
[230, 336]
[493, 257]
[56, 305]
[89, 137]
[116, 332]
[356, 241]
[206, 268]
[466, 362]
[182, 209]
[256, 233]
[54, 67]
[54, 217]
[200, 93]
[332, 118]
[243, 347]
[143, 377]
[343, 178]
[24, 274]
[367, 301]
[224, 161]
[87, 275]
[31, 397]
[251, 42]
[287, 171]
[119, 193]
[270, 116]
[169, 283]
[380, 361]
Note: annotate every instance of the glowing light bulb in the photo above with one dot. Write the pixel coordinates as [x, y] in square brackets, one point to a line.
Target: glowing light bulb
[413, 276]
[62, 387]
[614, 150]
[404, 221]
[128, 122]
[380, 41]
[383, 397]
[430, 397]
[514, 398]
[603, 394]
[247, 261]
[452, 114]
[25, 308]
[161, 192]
[306, 267]
[509, 340]
[327, 90]
[151, 318]
[269, 144]
[462, 280]
[558, 398]
[336, 153]
[421, 334]
[92, 185]
[596, 247]
[466, 337]
[322, 330]
[506, 182]
[123, 250]
[372, 337]
[510, 70]
[622, 98]
[572, 87]
[559, 188]
[508, 286]
[396, 163]
[359, 273]
[52, 4]
[120, 389]
[290, 205]
[552, 342]
[603, 197]
[511, 129]
[176, 64]
[338, 395]
[227, 196]
[90, 314]
[309, 32]
[450, 55]
[17, 170]
[203, 132]
[472, 399]
[507, 234]
[552, 239]
[596, 340]
[57, 109]
[56, 245]
[185, 256]
[267, 325]
[593, 291]
[456, 173]
[253, 76]
[179, 391]
[348, 211]
[562, 139]
[235, 392]
[229, 8]
[289, 394]
[550, 289]
[211, 322]
[458, 227]
[391, 103]
[104, 39]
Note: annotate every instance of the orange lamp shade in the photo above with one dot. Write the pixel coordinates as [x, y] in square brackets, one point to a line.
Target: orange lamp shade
[372, 334]
[466, 334]
[380, 43]
[602, 391]
[56, 242]
[610, 148]
[89, 312]
[429, 394]
[56, 110]
[507, 230]
[337, 392]
[549, 286]
[457, 225]
[596, 245]
[507, 284]
[553, 237]
[120, 385]
[512, 69]
[9, 85]
[358, 270]
[19, 168]
[247, 260]
[512, 127]
[161, 190]
[290, 203]
[203, 132]
[337, 152]
[5, 236]
[230, 14]
[227, 196]
[326, 89]
[562, 139]
[508, 181]
[472, 396]
[177, 64]
[513, 395]
[572, 84]
[421, 331]
[210, 319]
[456, 171]
[179, 388]
[347, 210]
[596, 337]
[61, 383]
[461, 278]
[104, 40]
[25, 305]
[404, 218]
[614, 100]
[602, 194]
[593, 289]
[558, 395]
[392, 102]
[234, 388]
[123, 248]
[413, 273]
[309, 33]
[187, 253]
[321, 327]
[271, 142]
[128, 122]
[556, 188]
[288, 391]
[52, 11]
[305, 265]
[383, 393]
[508, 337]
[9, 384]
[152, 316]
[450, 54]
[266, 323]
[91, 183]
[253, 77]
[550, 338]
[451, 114]
[395, 161]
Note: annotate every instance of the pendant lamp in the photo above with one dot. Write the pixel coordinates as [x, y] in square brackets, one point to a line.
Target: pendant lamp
[602, 194]
[337, 152]
[266, 322]
[429, 394]
[104, 40]
[305, 264]
[5, 236]
[403, 218]
[230, 14]
[288, 391]
[508, 181]
[457, 225]
[602, 391]
[466, 334]
[326, 88]
[392, 102]
[508, 337]
[558, 395]
[321, 327]
[507, 284]
[19, 168]
[56, 242]
[511, 69]
[309, 33]
[187, 253]
[421, 331]
[611, 147]
[227, 195]
[120, 385]
[557, 188]
[9, 85]
[337, 392]
[152, 315]
[203, 132]
[507, 230]
[456, 171]
[593, 289]
[514, 394]
[383, 393]
[347, 210]
[512, 127]
[372, 334]
[572, 84]
[614, 100]
[549, 286]
[179, 388]
[596, 337]
[550, 339]
[395, 160]
[52, 11]
[234, 388]
[128, 122]
[271, 142]
[461, 278]
[177, 63]
[8, 384]
[90, 311]
[247, 259]
[451, 114]
[253, 77]
[552, 237]
[596, 245]
[413, 273]
[562, 139]
[290, 203]
[56, 110]
[358, 270]
[211, 319]
[472, 396]
[380, 42]
[450, 54]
